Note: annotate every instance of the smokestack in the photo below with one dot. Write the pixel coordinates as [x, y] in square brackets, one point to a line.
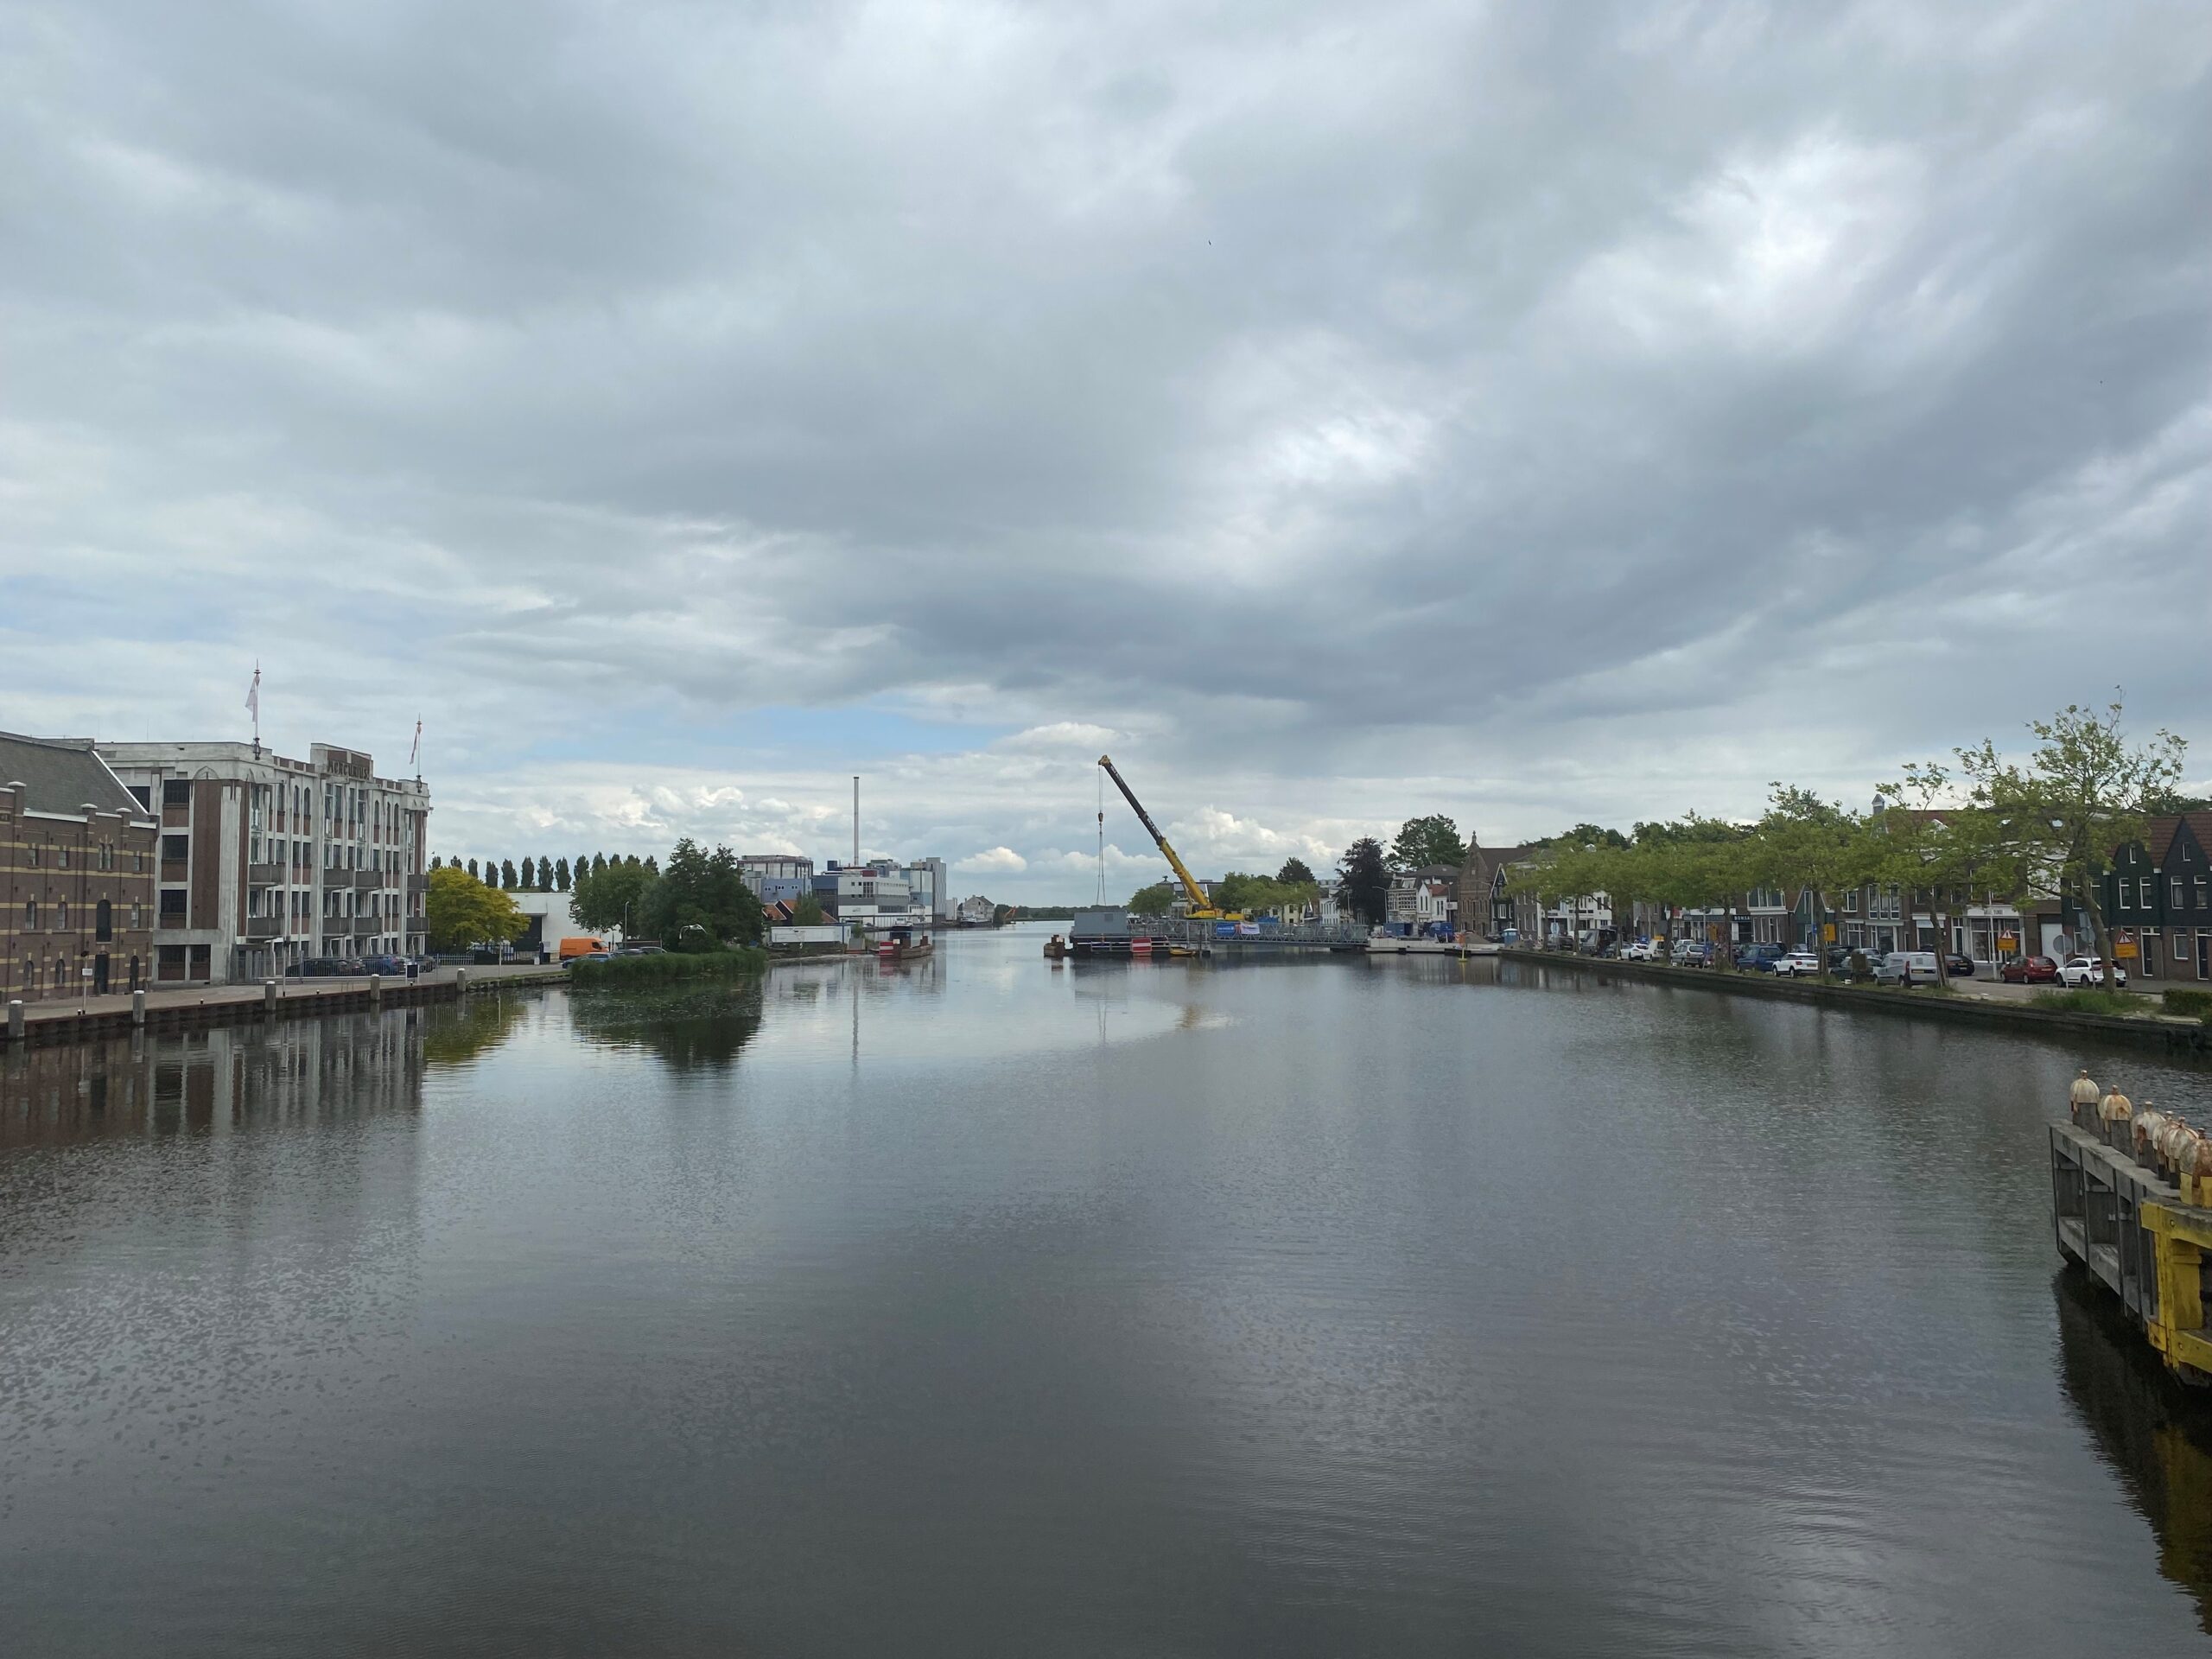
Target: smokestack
[856, 818]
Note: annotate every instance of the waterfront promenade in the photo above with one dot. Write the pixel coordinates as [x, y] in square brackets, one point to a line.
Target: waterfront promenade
[60, 1020]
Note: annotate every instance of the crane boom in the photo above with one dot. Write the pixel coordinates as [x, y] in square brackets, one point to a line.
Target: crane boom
[1200, 905]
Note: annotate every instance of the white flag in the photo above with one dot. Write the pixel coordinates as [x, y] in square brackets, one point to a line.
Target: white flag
[415, 753]
[253, 694]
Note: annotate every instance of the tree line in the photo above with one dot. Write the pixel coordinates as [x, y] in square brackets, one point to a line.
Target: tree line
[540, 874]
[1976, 829]
[698, 901]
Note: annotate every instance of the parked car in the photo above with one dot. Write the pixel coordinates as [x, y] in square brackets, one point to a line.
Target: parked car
[1692, 953]
[2089, 970]
[589, 956]
[390, 966]
[320, 968]
[1799, 965]
[1956, 966]
[1640, 951]
[1908, 968]
[2029, 970]
[1759, 958]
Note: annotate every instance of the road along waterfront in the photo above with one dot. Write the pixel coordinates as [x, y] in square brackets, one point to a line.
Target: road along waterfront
[985, 1305]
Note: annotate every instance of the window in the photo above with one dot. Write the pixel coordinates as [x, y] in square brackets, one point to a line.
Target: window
[30, 915]
[135, 919]
[173, 908]
[2174, 893]
[176, 792]
[64, 851]
[176, 847]
[143, 795]
[138, 862]
[2200, 892]
[30, 860]
[104, 921]
[61, 916]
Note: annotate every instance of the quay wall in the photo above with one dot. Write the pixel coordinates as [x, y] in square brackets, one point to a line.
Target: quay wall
[229, 1004]
[2165, 1034]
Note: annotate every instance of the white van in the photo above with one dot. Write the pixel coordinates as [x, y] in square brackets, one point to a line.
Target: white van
[1909, 968]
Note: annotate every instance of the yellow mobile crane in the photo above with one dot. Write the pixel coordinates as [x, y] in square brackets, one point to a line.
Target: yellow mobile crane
[1201, 907]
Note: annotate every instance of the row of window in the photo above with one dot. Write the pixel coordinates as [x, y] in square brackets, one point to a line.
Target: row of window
[2141, 893]
[105, 857]
[57, 915]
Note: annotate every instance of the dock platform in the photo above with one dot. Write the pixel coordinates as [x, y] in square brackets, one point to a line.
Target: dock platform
[2137, 1233]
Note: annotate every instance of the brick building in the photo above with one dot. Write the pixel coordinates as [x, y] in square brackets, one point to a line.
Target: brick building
[76, 874]
[268, 861]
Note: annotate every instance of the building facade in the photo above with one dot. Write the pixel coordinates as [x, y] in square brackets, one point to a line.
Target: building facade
[77, 856]
[267, 861]
[2158, 901]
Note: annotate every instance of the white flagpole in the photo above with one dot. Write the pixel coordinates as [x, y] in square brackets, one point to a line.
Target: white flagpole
[415, 755]
[253, 704]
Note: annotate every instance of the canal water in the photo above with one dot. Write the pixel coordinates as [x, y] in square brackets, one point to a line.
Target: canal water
[989, 1306]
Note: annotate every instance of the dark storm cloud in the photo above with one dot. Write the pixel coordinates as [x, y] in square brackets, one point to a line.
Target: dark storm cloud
[1552, 411]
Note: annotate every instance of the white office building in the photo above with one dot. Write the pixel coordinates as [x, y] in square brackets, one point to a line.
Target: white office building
[266, 861]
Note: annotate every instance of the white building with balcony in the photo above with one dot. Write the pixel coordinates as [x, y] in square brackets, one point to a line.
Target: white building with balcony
[266, 861]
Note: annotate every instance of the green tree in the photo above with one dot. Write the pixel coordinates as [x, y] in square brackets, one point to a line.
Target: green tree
[1295, 873]
[807, 911]
[463, 912]
[1943, 851]
[1423, 842]
[577, 870]
[701, 901]
[472, 869]
[2084, 791]
[560, 875]
[1814, 848]
[437, 862]
[1366, 872]
[611, 897]
[507, 874]
[599, 863]
[1158, 899]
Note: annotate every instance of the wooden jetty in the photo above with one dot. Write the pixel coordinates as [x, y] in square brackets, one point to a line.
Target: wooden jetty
[2143, 1234]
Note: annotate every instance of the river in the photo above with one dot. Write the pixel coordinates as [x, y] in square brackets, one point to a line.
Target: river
[985, 1306]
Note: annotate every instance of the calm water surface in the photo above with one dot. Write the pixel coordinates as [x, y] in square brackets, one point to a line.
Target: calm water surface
[988, 1308]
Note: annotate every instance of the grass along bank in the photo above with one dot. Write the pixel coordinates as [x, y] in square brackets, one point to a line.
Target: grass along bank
[668, 968]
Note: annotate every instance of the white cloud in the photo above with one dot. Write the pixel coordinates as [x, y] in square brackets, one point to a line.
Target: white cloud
[998, 861]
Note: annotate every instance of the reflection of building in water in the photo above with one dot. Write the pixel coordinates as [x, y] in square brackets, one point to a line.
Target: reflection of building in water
[304, 1072]
[2153, 1431]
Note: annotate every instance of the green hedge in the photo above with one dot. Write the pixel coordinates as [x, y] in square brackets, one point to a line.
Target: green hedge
[2197, 1005]
[2085, 1001]
[618, 971]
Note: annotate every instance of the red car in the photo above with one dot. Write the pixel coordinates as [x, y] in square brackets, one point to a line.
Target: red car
[2029, 970]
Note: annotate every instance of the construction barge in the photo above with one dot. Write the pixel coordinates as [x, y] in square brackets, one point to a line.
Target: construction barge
[2131, 1204]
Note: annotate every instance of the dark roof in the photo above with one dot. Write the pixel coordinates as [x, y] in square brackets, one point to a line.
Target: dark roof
[2162, 831]
[61, 774]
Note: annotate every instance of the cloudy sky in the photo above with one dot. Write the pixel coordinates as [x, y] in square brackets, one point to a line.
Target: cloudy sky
[1528, 412]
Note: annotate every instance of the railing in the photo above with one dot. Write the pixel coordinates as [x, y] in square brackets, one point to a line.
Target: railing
[264, 927]
[364, 880]
[264, 875]
[418, 883]
[367, 927]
